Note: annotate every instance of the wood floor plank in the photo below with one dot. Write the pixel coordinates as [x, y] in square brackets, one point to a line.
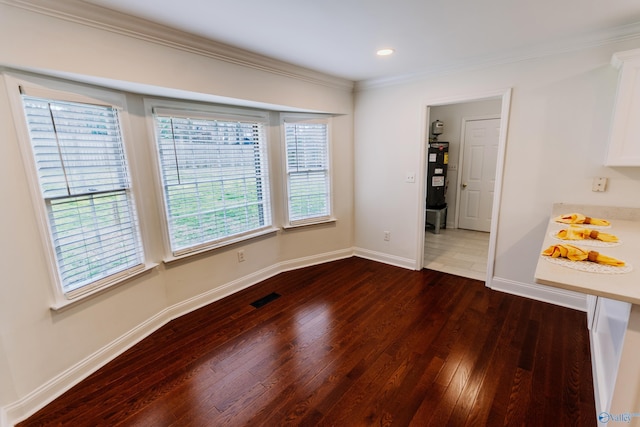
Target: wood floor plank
[476, 384]
[348, 343]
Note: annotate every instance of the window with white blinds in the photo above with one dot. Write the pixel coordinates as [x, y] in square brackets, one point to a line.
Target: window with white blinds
[82, 171]
[214, 175]
[307, 168]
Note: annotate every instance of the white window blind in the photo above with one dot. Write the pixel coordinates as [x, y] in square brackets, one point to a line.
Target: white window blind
[307, 161]
[82, 171]
[215, 178]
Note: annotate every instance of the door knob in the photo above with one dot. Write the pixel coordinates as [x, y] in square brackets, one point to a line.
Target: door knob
[464, 185]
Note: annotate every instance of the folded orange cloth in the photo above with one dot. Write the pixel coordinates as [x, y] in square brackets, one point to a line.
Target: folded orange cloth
[580, 233]
[576, 218]
[575, 253]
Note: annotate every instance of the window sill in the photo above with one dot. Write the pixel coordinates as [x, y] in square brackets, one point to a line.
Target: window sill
[63, 302]
[309, 223]
[212, 247]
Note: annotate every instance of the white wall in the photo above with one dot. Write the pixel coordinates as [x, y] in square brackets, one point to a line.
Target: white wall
[41, 351]
[560, 115]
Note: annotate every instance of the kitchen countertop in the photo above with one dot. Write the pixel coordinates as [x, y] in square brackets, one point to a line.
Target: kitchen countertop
[625, 223]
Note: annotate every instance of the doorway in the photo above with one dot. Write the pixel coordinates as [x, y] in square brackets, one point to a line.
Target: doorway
[465, 121]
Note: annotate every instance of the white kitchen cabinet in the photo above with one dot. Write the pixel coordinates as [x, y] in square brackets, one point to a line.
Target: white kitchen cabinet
[626, 395]
[613, 312]
[624, 138]
[607, 335]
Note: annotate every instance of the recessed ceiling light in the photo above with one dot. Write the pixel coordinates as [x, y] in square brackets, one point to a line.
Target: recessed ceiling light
[385, 52]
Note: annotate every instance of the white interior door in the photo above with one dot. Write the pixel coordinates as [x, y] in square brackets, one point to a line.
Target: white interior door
[478, 174]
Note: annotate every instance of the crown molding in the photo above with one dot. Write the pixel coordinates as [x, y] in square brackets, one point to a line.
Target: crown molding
[559, 47]
[91, 15]
[88, 14]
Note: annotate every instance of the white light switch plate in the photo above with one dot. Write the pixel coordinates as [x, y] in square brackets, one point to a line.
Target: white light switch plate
[410, 177]
[599, 184]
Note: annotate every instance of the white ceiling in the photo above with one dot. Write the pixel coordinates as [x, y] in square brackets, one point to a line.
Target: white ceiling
[340, 37]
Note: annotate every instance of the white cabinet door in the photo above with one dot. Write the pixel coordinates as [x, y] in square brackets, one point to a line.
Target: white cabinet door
[607, 337]
[627, 391]
[624, 139]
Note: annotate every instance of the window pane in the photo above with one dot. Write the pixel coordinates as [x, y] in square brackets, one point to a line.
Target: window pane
[308, 186]
[215, 178]
[94, 236]
[77, 147]
[82, 171]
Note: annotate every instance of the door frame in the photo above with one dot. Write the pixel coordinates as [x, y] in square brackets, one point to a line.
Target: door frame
[463, 128]
[505, 95]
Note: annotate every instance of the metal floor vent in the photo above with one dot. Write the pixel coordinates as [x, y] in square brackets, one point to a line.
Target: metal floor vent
[265, 300]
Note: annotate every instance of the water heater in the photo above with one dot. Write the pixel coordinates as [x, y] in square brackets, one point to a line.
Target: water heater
[437, 162]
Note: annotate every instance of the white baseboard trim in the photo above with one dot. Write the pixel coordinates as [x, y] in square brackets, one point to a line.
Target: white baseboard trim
[561, 297]
[385, 258]
[4, 420]
[47, 392]
[194, 303]
[52, 389]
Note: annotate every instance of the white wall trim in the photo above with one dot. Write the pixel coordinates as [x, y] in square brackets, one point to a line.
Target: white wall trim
[101, 18]
[46, 393]
[505, 96]
[561, 297]
[4, 420]
[64, 381]
[52, 389]
[407, 263]
[557, 47]
[194, 303]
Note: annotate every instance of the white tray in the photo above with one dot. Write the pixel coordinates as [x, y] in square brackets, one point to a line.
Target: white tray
[588, 266]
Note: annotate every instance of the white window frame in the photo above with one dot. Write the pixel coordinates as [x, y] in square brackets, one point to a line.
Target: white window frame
[186, 108]
[58, 90]
[306, 118]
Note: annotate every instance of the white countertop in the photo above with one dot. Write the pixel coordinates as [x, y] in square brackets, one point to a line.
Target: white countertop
[625, 223]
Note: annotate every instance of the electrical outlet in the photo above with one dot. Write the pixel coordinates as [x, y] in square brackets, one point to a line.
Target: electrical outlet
[410, 177]
[599, 184]
[387, 236]
[241, 255]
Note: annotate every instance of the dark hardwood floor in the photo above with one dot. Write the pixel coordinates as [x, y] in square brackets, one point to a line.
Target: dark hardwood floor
[349, 343]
